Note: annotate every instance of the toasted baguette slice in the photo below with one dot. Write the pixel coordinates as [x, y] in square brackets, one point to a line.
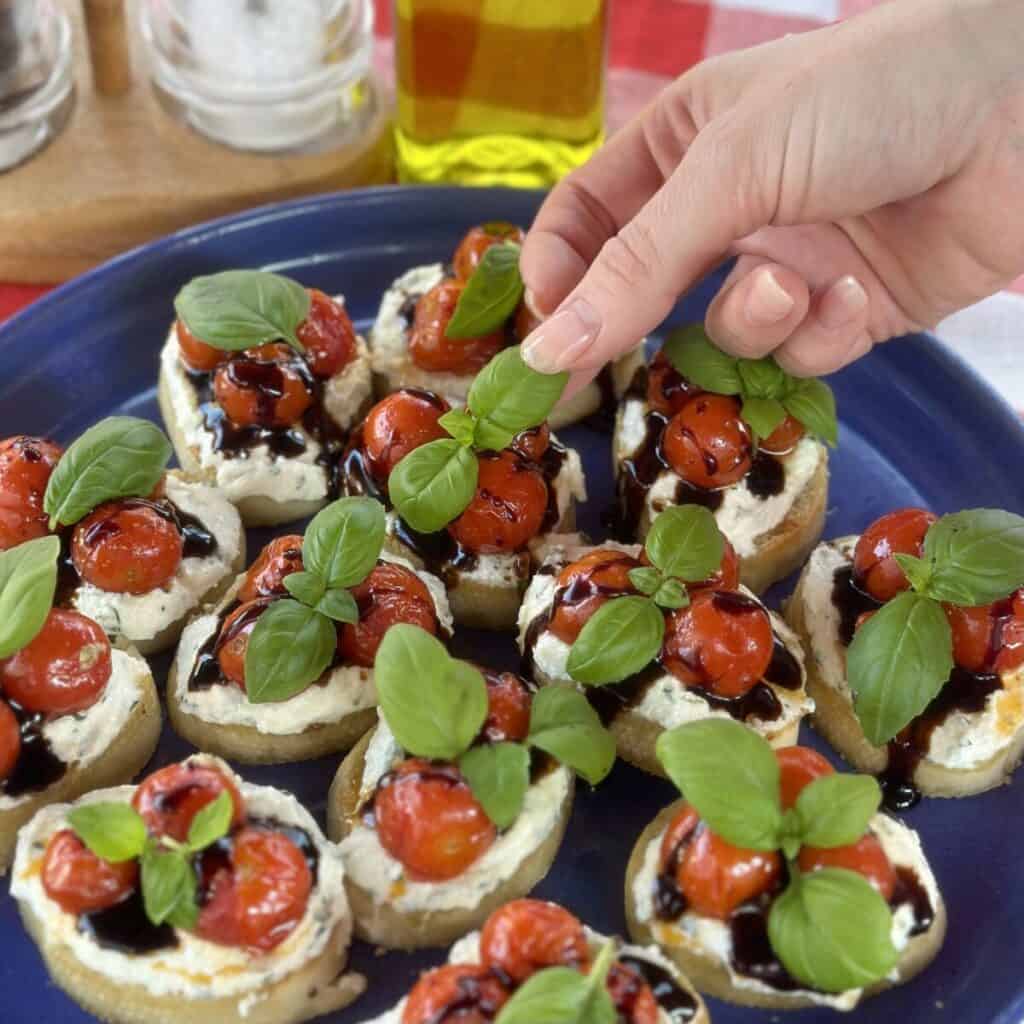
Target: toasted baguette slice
[385, 923]
[711, 974]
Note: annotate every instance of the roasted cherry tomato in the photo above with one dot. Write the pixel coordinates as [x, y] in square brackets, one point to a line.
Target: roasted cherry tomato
[723, 641]
[508, 715]
[585, 585]
[798, 767]
[533, 443]
[989, 638]
[127, 547]
[171, 797]
[432, 350]
[429, 820]
[233, 641]
[784, 438]
[726, 578]
[707, 443]
[327, 335]
[265, 578]
[525, 936]
[78, 881]
[866, 857]
[10, 740]
[455, 994]
[1010, 654]
[508, 509]
[263, 387]
[478, 240]
[875, 569]
[398, 424]
[632, 996]
[525, 322]
[667, 389]
[25, 467]
[196, 354]
[63, 669]
[390, 594]
[677, 837]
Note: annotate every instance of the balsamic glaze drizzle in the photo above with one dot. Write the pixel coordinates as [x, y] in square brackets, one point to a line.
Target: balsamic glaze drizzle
[679, 1004]
[37, 766]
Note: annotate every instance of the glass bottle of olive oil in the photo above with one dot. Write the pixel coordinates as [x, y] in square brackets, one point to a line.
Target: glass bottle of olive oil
[498, 92]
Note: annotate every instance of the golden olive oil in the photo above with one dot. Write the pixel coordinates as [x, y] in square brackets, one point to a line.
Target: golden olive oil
[498, 92]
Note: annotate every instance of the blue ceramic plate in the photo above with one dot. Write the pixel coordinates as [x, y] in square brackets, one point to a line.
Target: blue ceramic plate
[918, 428]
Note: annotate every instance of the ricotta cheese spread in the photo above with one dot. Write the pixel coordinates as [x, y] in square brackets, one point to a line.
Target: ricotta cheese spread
[343, 692]
[195, 969]
[712, 937]
[139, 617]
[743, 516]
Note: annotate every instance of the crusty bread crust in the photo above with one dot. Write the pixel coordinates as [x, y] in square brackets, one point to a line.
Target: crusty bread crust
[836, 720]
[387, 926]
[711, 975]
[117, 765]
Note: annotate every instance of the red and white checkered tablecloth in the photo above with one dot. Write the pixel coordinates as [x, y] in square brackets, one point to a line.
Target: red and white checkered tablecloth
[652, 41]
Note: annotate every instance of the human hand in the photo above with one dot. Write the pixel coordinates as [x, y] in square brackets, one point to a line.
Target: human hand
[868, 175]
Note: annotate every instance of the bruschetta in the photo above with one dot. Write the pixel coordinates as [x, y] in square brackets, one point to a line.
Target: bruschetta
[260, 381]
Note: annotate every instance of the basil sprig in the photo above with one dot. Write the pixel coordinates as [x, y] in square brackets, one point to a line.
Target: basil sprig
[831, 929]
[239, 309]
[435, 483]
[436, 705]
[117, 833]
[903, 655]
[294, 640]
[28, 581]
[766, 391]
[684, 545]
[119, 457]
[491, 294]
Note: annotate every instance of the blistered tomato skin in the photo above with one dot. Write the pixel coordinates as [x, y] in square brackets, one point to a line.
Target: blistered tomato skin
[1010, 654]
[196, 354]
[508, 509]
[707, 443]
[428, 819]
[784, 438]
[430, 347]
[327, 335]
[127, 547]
[875, 569]
[866, 857]
[455, 994]
[508, 714]
[233, 641]
[10, 740]
[722, 641]
[680, 832]
[632, 996]
[585, 585]
[389, 595]
[64, 669]
[667, 389]
[78, 881]
[477, 241]
[171, 797]
[263, 387]
[972, 635]
[398, 424]
[265, 578]
[798, 768]
[25, 467]
[533, 443]
[526, 936]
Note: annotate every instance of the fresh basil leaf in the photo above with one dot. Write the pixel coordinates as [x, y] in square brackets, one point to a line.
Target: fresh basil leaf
[168, 883]
[813, 404]
[499, 775]
[185, 914]
[684, 541]
[305, 587]
[433, 484]
[762, 415]
[460, 425]
[791, 832]
[694, 356]
[646, 579]
[290, 647]
[763, 379]
[507, 397]
[620, 638]
[835, 810]
[340, 605]
[491, 294]
[671, 594]
[119, 457]
[434, 705]
[239, 309]
[114, 832]
[344, 540]
[917, 570]
[898, 661]
[832, 930]
[211, 822]
[28, 581]
[730, 776]
[977, 556]
[564, 725]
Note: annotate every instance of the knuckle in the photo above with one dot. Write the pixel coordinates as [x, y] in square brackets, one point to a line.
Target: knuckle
[630, 258]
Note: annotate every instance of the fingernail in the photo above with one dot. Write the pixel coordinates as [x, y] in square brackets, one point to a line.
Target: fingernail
[768, 302]
[563, 338]
[530, 301]
[842, 303]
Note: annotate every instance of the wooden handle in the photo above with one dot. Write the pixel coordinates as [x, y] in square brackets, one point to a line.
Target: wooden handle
[106, 26]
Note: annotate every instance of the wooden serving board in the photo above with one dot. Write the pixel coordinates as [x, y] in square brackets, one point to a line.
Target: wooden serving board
[123, 171]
